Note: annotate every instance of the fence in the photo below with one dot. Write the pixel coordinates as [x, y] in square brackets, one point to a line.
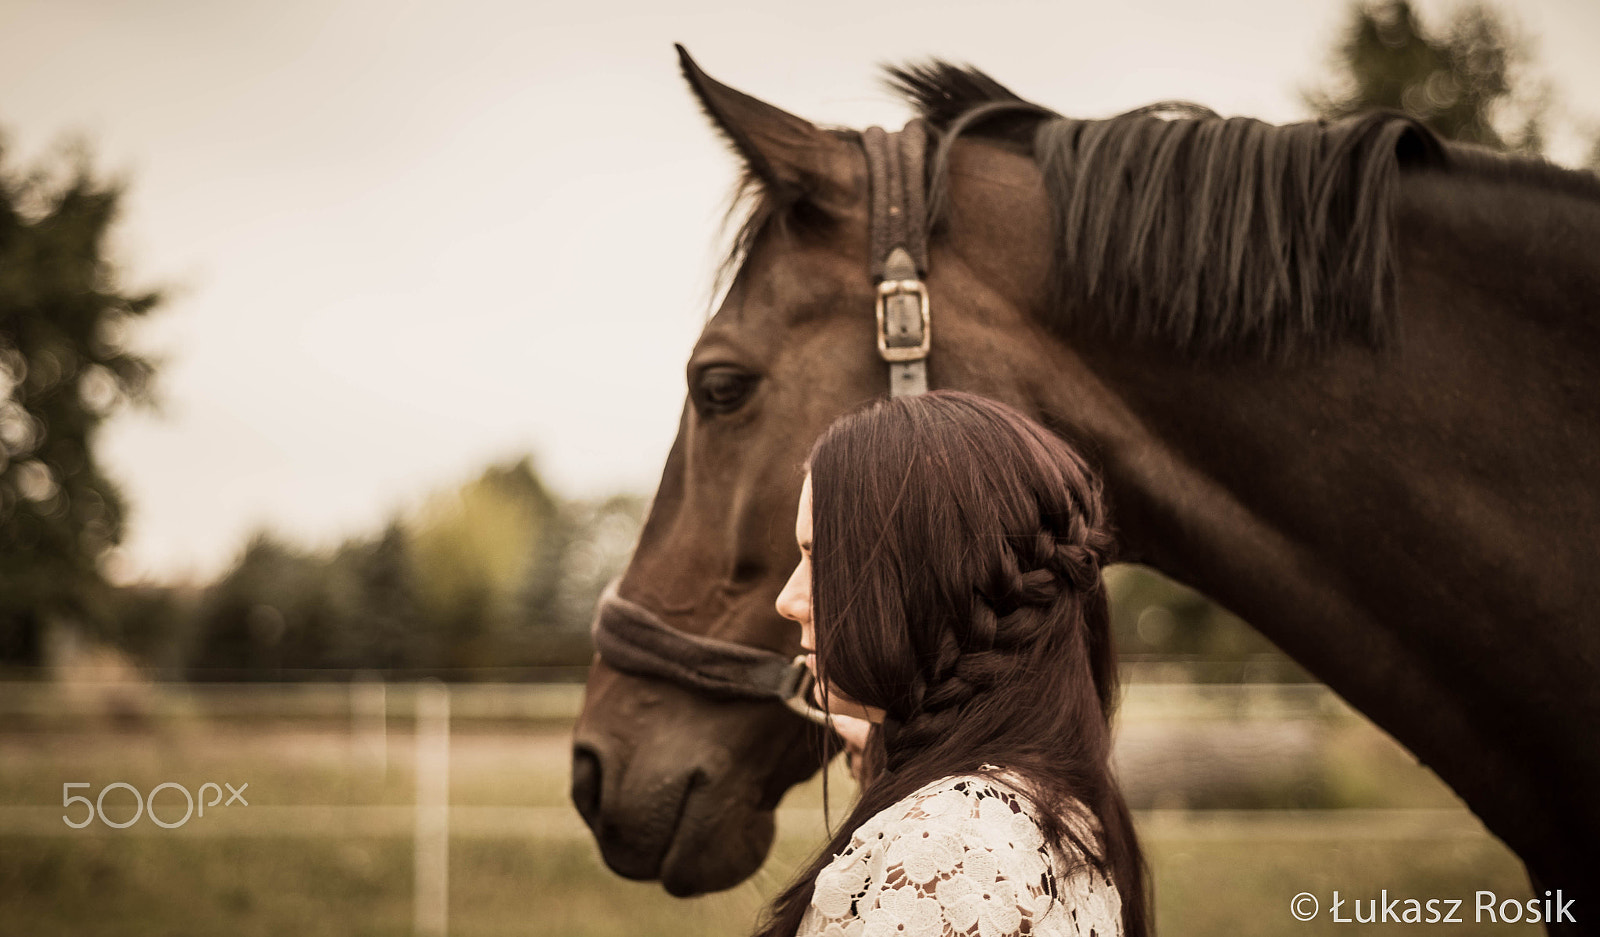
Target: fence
[1202, 741]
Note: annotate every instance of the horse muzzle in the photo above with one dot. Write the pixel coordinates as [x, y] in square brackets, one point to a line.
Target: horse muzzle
[696, 829]
[684, 747]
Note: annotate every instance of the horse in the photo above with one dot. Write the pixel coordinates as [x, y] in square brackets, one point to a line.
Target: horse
[1340, 377]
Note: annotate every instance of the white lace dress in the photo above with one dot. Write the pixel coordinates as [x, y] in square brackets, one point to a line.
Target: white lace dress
[961, 857]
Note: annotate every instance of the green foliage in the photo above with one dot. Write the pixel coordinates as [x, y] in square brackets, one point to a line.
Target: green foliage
[63, 371]
[472, 551]
[1465, 81]
[490, 580]
[275, 609]
[151, 623]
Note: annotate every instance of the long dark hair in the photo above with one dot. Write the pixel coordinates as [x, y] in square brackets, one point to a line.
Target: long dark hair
[956, 555]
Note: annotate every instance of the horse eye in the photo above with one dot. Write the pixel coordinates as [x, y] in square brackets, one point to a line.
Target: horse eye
[722, 389]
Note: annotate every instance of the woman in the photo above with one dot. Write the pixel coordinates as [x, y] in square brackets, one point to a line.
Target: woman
[949, 592]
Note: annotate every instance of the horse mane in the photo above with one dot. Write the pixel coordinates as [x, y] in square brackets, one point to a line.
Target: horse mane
[1180, 228]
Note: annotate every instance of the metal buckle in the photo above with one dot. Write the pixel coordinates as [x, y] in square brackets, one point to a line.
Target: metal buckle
[797, 688]
[898, 353]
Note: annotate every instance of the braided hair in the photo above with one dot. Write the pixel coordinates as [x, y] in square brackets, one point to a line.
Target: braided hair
[957, 548]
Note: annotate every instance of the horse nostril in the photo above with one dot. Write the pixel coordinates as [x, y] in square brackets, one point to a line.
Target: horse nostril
[586, 782]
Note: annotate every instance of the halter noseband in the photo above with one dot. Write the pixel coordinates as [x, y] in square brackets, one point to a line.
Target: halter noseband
[631, 638]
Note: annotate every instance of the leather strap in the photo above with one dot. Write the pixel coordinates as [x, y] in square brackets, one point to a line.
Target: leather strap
[632, 639]
[898, 236]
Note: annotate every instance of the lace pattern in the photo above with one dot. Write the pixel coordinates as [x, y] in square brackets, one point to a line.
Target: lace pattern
[961, 857]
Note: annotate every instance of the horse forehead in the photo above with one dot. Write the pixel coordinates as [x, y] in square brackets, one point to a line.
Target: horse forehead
[756, 323]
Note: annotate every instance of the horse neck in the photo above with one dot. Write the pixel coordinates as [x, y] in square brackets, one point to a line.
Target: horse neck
[1489, 392]
[1414, 525]
[1522, 250]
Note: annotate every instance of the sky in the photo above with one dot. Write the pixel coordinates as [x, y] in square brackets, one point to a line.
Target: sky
[402, 240]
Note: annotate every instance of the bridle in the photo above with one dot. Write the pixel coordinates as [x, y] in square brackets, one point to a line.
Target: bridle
[634, 640]
[897, 223]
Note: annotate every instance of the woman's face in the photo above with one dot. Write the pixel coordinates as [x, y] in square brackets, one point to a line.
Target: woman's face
[794, 603]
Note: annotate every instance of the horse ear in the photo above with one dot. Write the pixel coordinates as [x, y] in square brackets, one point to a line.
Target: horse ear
[790, 155]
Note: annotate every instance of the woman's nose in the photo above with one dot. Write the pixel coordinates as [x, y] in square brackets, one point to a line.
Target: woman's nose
[791, 603]
[791, 606]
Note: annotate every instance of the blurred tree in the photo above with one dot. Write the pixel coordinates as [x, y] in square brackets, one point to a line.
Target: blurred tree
[1465, 81]
[63, 370]
[283, 613]
[381, 622]
[271, 613]
[473, 551]
[473, 583]
[152, 623]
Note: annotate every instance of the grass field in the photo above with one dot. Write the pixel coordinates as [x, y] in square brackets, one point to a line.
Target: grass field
[325, 845]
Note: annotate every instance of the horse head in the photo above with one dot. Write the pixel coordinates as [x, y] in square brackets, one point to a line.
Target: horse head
[677, 784]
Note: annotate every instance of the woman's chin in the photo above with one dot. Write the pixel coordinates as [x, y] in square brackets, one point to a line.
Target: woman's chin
[844, 706]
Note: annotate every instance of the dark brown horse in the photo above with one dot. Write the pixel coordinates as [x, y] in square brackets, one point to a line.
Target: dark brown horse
[1343, 379]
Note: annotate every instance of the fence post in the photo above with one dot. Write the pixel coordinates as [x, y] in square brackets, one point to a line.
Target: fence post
[432, 841]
